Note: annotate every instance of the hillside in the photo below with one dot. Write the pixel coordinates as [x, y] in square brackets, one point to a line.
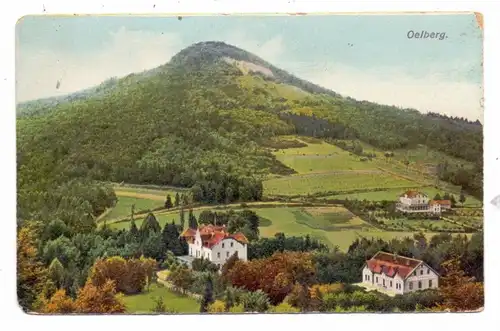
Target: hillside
[202, 120]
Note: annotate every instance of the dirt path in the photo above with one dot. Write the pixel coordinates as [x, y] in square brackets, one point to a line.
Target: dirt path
[148, 196]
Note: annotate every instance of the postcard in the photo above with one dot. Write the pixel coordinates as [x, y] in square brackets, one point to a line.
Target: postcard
[250, 163]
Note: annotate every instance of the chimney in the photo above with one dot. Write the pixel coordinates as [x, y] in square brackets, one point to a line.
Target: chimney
[407, 262]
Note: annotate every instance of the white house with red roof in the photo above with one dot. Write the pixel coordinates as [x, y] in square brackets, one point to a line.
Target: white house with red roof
[417, 202]
[398, 274]
[215, 243]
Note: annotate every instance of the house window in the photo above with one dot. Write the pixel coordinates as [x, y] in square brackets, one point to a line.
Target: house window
[227, 254]
[419, 284]
[383, 282]
[218, 255]
[390, 283]
[422, 271]
[430, 282]
[232, 244]
[410, 285]
[222, 245]
[376, 279]
[428, 271]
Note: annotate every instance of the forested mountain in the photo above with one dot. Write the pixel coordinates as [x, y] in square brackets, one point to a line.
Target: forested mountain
[199, 120]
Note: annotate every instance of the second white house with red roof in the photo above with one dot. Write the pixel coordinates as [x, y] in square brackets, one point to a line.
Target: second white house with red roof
[417, 202]
[398, 274]
[215, 244]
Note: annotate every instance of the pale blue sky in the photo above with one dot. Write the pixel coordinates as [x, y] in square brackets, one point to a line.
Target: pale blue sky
[382, 65]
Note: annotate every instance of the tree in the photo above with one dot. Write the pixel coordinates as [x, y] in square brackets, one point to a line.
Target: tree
[256, 301]
[177, 199]
[437, 197]
[31, 275]
[159, 306]
[171, 239]
[181, 278]
[453, 200]
[93, 299]
[208, 297]
[168, 202]
[462, 198]
[460, 293]
[182, 218]
[150, 224]
[226, 267]
[134, 232]
[59, 303]
[56, 272]
[193, 224]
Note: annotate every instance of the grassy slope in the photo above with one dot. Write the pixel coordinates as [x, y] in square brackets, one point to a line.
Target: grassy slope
[293, 222]
[143, 198]
[144, 302]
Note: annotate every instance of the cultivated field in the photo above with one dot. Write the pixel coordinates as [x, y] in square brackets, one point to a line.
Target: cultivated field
[333, 181]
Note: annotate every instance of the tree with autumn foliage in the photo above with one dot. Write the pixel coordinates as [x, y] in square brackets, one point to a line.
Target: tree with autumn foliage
[459, 292]
[275, 275]
[59, 303]
[130, 276]
[91, 299]
[99, 299]
[31, 274]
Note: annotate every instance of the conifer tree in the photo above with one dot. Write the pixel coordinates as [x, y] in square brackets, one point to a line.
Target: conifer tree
[168, 202]
[177, 199]
[182, 218]
[193, 224]
[208, 296]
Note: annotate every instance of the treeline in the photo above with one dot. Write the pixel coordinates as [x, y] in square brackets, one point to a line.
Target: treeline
[245, 221]
[266, 247]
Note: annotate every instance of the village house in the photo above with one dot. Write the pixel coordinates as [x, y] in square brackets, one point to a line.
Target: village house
[417, 202]
[215, 244]
[398, 274]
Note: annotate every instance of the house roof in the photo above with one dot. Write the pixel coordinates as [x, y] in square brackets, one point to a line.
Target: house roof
[211, 235]
[440, 202]
[392, 264]
[412, 194]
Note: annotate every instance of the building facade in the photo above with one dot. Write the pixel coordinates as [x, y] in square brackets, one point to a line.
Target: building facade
[417, 202]
[398, 274]
[215, 244]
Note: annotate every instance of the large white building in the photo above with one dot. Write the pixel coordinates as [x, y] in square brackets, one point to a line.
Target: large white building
[417, 202]
[215, 244]
[398, 274]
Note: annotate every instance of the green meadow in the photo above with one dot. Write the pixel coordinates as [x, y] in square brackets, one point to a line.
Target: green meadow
[143, 303]
[330, 225]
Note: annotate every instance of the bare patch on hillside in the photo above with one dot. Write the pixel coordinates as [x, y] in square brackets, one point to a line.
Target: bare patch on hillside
[247, 67]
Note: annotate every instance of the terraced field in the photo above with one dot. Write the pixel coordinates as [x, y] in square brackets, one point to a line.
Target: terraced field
[335, 181]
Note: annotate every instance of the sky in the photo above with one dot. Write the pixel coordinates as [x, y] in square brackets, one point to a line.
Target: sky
[367, 57]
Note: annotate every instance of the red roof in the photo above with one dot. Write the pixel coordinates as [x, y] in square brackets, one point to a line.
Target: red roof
[392, 264]
[412, 194]
[442, 202]
[213, 234]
